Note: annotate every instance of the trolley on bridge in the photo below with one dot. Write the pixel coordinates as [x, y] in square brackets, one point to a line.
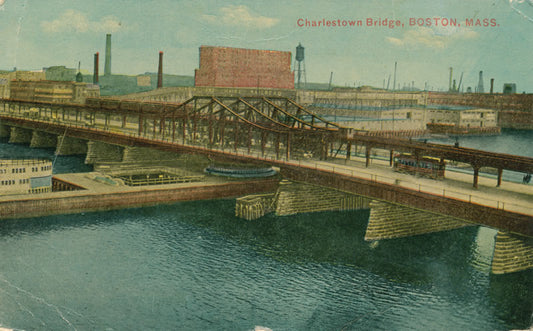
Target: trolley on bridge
[423, 166]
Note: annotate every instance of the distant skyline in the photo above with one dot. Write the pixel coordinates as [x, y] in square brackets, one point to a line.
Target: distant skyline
[337, 37]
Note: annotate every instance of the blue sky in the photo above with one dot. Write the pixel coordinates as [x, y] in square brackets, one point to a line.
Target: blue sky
[38, 33]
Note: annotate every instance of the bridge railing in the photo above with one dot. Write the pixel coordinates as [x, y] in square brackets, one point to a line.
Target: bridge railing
[304, 163]
[379, 178]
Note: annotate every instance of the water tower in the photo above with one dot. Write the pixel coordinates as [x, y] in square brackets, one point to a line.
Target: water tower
[300, 59]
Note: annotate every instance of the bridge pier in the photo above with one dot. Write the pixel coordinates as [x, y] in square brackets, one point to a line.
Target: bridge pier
[512, 253]
[293, 198]
[20, 135]
[70, 146]
[98, 152]
[5, 131]
[43, 139]
[390, 220]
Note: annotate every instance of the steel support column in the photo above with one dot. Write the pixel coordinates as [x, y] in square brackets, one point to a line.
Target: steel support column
[162, 121]
[277, 146]
[263, 142]
[476, 175]
[173, 129]
[367, 155]
[288, 145]
[236, 135]
[249, 139]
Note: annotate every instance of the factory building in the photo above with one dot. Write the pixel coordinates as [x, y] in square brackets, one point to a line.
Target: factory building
[238, 67]
[6, 77]
[462, 120]
[60, 73]
[53, 91]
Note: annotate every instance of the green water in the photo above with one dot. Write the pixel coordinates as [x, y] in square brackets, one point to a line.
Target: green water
[195, 266]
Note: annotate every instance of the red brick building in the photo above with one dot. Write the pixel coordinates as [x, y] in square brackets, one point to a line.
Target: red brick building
[240, 67]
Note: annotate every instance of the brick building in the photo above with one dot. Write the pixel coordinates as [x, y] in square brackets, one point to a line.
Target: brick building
[239, 67]
[52, 91]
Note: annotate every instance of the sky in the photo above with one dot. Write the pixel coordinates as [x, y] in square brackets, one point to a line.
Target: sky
[43, 33]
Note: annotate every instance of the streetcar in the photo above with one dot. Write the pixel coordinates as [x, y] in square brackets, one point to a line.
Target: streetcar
[424, 166]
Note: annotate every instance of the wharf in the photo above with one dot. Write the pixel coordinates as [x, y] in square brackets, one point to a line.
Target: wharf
[100, 196]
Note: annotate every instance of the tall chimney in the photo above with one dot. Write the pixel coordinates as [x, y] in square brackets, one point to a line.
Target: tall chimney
[491, 85]
[95, 73]
[480, 88]
[107, 67]
[450, 83]
[160, 71]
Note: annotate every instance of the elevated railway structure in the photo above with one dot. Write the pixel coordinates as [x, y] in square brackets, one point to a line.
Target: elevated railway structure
[306, 148]
[254, 123]
[276, 130]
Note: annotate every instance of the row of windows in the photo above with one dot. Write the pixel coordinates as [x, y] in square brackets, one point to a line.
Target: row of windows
[13, 181]
[23, 170]
[43, 168]
[41, 190]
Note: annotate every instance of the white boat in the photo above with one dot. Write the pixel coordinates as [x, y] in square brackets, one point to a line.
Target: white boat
[25, 176]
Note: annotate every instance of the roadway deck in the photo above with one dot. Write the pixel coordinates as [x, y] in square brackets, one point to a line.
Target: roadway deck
[510, 196]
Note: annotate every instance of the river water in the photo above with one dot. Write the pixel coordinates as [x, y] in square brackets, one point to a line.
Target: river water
[194, 266]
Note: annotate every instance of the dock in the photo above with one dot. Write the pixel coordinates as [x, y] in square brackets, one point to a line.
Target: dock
[99, 193]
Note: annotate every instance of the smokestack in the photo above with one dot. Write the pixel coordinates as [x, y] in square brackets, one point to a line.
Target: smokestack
[160, 71]
[491, 85]
[450, 83]
[95, 74]
[394, 84]
[480, 88]
[107, 67]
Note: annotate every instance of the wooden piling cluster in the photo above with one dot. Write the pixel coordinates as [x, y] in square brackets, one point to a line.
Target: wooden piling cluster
[252, 207]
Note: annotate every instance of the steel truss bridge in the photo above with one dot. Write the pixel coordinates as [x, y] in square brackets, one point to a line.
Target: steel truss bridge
[275, 125]
[260, 129]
